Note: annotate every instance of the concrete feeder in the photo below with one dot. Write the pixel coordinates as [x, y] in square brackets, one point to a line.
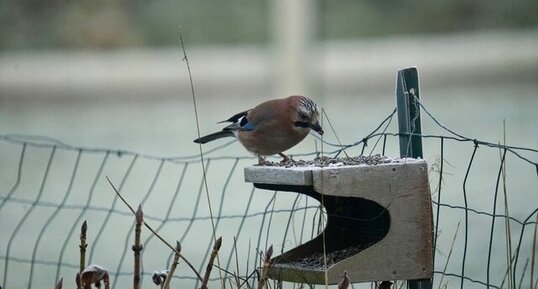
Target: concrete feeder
[379, 221]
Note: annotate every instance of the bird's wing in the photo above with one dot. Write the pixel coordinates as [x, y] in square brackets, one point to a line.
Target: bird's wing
[239, 122]
[236, 117]
[269, 113]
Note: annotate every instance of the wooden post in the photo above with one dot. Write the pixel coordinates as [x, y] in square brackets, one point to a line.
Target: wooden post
[407, 95]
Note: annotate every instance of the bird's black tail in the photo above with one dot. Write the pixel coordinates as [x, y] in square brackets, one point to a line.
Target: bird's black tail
[214, 136]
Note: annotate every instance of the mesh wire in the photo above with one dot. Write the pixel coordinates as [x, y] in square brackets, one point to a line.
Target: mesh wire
[48, 188]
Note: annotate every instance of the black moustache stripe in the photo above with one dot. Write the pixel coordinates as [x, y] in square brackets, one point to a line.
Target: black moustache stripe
[301, 124]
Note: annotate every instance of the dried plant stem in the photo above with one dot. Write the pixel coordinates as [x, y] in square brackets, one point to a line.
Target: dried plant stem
[202, 161]
[173, 266]
[334, 131]
[449, 253]
[265, 268]
[508, 231]
[247, 266]
[154, 232]
[533, 264]
[524, 272]
[236, 275]
[137, 247]
[82, 246]
[209, 267]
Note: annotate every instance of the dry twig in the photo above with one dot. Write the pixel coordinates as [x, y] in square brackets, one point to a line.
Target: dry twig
[533, 252]
[154, 232]
[137, 247]
[236, 275]
[209, 267]
[173, 266]
[265, 269]
[59, 284]
[508, 230]
[449, 254]
[83, 245]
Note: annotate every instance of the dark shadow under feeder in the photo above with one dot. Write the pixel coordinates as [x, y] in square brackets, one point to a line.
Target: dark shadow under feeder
[378, 221]
[354, 224]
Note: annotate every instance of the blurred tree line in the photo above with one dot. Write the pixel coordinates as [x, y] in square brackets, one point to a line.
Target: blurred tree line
[37, 24]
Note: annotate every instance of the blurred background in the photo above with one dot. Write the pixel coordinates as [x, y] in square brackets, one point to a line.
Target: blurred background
[111, 74]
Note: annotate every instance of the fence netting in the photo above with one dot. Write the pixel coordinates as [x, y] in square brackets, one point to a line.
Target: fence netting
[484, 198]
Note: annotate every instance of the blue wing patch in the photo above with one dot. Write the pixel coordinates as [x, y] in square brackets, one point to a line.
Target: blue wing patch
[247, 125]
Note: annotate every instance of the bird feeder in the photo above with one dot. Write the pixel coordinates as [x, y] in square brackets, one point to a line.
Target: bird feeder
[379, 221]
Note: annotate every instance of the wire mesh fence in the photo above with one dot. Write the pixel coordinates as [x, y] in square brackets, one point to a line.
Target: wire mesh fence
[484, 198]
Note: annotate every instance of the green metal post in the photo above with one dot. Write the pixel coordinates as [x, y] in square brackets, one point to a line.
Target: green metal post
[407, 94]
[408, 113]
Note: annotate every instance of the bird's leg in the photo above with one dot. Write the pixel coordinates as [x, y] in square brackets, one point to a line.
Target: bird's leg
[261, 160]
[285, 158]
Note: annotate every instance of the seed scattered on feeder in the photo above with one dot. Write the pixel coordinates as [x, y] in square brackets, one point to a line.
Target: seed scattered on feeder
[332, 162]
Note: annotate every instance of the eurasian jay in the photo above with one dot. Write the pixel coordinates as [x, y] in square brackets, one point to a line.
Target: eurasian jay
[271, 127]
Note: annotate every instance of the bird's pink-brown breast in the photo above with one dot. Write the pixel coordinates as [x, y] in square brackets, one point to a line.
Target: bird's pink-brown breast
[274, 127]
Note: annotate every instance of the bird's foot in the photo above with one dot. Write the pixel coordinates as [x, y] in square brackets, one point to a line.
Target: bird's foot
[285, 158]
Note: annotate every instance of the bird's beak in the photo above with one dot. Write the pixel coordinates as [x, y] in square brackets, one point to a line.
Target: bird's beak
[316, 127]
